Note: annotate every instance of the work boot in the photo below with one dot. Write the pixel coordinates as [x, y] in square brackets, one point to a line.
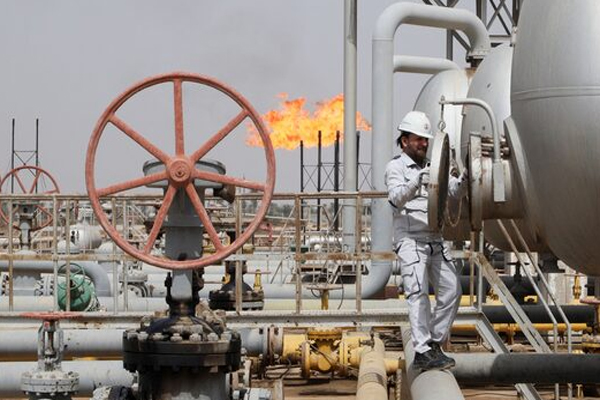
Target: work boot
[431, 361]
[437, 349]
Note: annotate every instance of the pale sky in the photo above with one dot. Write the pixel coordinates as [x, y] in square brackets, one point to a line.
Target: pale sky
[64, 61]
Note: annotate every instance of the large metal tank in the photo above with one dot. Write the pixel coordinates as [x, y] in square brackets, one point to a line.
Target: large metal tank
[555, 100]
[491, 83]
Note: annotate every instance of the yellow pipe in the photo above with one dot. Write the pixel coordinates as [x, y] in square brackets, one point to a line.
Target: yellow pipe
[507, 328]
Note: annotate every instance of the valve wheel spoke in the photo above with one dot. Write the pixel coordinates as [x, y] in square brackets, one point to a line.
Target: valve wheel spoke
[139, 139]
[228, 180]
[35, 181]
[43, 210]
[178, 100]
[160, 218]
[21, 185]
[220, 135]
[132, 184]
[201, 211]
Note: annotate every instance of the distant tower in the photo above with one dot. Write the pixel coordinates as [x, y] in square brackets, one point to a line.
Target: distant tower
[499, 16]
[22, 156]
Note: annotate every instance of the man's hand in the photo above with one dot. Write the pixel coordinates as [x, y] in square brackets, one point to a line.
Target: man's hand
[424, 176]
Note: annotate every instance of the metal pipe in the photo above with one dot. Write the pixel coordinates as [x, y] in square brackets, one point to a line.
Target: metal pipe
[336, 181]
[92, 269]
[423, 65]
[372, 377]
[319, 188]
[526, 368]
[45, 303]
[382, 98]
[490, 113]
[92, 374]
[428, 385]
[350, 140]
[21, 344]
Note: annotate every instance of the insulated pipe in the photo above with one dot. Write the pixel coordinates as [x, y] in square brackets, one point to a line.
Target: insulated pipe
[350, 139]
[45, 303]
[537, 314]
[527, 368]
[22, 343]
[372, 377]
[423, 65]
[428, 385]
[92, 374]
[93, 270]
[382, 97]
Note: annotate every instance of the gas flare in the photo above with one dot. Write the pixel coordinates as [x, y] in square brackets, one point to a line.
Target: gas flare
[292, 123]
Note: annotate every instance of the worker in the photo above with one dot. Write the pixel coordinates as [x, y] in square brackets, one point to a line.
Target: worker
[423, 255]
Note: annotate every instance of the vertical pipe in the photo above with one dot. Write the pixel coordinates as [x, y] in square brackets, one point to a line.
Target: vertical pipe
[114, 260]
[68, 252]
[12, 158]
[301, 175]
[11, 296]
[319, 167]
[55, 250]
[238, 264]
[302, 166]
[125, 263]
[357, 249]
[37, 137]
[298, 278]
[356, 188]
[381, 149]
[336, 181]
[350, 140]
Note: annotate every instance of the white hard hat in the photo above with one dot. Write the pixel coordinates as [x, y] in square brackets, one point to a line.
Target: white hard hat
[416, 122]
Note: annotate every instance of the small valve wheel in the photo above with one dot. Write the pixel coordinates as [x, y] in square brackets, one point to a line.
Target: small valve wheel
[28, 180]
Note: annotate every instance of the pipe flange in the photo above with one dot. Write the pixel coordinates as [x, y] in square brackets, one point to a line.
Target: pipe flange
[151, 352]
[49, 382]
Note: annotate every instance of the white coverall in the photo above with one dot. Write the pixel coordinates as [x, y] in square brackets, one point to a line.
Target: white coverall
[424, 257]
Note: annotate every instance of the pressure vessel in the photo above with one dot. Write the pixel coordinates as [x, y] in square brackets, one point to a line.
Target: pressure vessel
[555, 101]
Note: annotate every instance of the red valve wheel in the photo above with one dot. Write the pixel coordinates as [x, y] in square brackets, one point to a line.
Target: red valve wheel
[180, 170]
[22, 175]
[51, 316]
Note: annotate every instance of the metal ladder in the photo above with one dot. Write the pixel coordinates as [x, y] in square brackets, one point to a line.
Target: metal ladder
[487, 332]
[515, 310]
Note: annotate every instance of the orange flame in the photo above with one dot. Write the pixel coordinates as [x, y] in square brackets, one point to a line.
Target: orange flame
[292, 123]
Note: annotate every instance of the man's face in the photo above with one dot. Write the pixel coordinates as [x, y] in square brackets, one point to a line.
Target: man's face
[415, 147]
